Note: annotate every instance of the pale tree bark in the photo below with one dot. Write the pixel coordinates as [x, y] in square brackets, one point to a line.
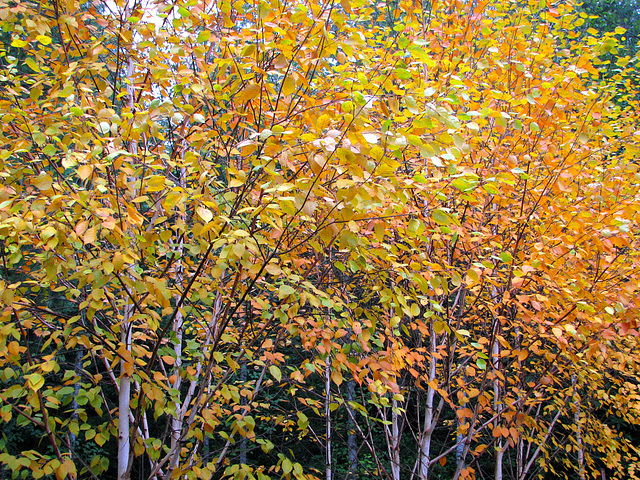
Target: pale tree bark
[393, 440]
[352, 439]
[429, 418]
[124, 398]
[519, 457]
[497, 391]
[196, 389]
[497, 399]
[124, 395]
[458, 308]
[520, 441]
[460, 441]
[178, 330]
[497, 407]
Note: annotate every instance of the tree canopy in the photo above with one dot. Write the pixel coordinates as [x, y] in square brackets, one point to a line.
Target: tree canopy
[270, 239]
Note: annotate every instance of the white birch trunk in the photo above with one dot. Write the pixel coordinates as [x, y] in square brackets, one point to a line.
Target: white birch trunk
[178, 329]
[497, 474]
[497, 406]
[394, 445]
[124, 394]
[428, 426]
[124, 398]
[497, 393]
[352, 443]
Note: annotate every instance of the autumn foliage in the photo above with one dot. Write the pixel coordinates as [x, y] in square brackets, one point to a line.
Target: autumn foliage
[407, 230]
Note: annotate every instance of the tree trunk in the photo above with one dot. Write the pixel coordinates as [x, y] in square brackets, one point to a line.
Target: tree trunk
[352, 440]
[427, 429]
[124, 398]
[178, 331]
[124, 394]
[576, 419]
[497, 406]
[243, 402]
[394, 444]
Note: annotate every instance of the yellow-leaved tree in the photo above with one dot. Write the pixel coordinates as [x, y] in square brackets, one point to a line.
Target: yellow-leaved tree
[271, 239]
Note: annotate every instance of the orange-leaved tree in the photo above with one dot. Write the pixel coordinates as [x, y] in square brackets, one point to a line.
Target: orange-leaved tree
[231, 229]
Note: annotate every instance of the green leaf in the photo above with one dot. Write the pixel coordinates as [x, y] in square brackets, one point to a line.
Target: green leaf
[347, 106]
[414, 140]
[203, 36]
[49, 150]
[32, 64]
[413, 227]
[506, 257]
[35, 381]
[403, 73]
[275, 372]
[440, 217]
[285, 291]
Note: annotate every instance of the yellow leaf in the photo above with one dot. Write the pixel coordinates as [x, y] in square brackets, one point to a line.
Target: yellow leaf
[155, 183]
[376, 152]
[43, 181]
[323, 121]
[204, 213]
[85, 171]
[90, 236]
[35, 381]
[263, 10]
[288, 85]
[118, 261]
[43, 39]
[250, 92]
[172, 199]
[249, 50]
[317, 163]
[336, 377]
[66, 470]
